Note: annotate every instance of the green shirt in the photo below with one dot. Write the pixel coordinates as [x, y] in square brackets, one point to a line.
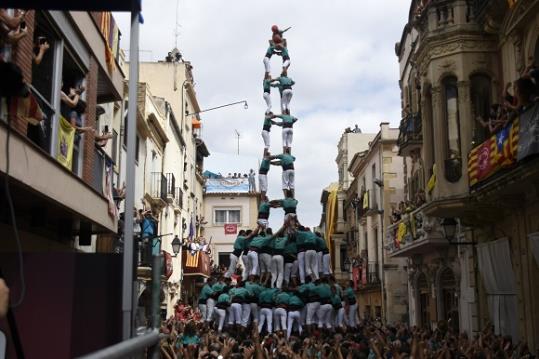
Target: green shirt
[296, 301]
[311, 239]
[282, 298]
[349, 293]
[239, 292]
[305, 290]
[336, 300]
[218, 287]
[239, 243]
[206, 292]
[254, 288]
[266, 84]
[279, 243]
[324, 291]
[267, 296]
[289, 205]
[223, 298]
[270, 51]
[264, 166]
[286, 159]
[260, 241]
[301, 237]
[288, 121]
[264, 208]
[321, 244]
[282, 83]
[291, 249]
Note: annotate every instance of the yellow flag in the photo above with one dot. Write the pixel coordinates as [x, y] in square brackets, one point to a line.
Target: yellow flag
[432, 180]
[366, 200]
[66, 140]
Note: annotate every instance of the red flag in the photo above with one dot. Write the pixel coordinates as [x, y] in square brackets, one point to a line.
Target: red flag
[231, 228]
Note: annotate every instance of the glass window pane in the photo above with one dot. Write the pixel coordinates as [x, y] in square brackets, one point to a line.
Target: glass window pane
[220, 216]
[452, 118]
[234, 216]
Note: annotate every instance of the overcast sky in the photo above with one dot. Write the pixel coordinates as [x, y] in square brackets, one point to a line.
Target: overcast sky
[343, 62]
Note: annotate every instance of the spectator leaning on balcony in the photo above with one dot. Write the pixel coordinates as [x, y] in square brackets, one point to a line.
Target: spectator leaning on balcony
[73, 107]
[40, 48]
[12, 28]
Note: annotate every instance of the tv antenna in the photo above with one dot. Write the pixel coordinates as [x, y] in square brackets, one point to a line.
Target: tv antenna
[238, 137]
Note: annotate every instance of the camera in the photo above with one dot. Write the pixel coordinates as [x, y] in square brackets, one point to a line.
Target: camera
[42, 40]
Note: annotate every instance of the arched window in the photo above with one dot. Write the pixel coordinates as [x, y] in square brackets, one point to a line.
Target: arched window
[453, 164]
[481, 91]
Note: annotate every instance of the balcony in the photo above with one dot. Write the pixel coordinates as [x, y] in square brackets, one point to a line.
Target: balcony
[178, 199]
[410, 134]
[158, 189]
[171, 187]
[508, 156]
[40, 181]
[195, 263]
[414, 234]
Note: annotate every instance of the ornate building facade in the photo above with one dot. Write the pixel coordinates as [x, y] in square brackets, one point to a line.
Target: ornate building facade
[467, 225]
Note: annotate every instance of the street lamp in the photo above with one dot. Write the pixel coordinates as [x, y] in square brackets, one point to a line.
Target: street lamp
[346, 265]
[176, 245]
[449, 226]
[244, 102]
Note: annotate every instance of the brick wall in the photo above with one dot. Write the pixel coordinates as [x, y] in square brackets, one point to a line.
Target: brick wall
[22, 56]
[89, 140]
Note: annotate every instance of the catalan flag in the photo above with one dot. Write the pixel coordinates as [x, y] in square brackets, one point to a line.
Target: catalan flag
[192, 259]
[497, 152]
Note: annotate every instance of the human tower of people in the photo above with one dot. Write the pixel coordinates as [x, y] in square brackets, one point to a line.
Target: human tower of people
[269, 291]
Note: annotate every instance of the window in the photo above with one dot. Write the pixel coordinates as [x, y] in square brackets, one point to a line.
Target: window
[481, 101]
[452, 120]
[373, 200]
[224, 259]
[222, 216]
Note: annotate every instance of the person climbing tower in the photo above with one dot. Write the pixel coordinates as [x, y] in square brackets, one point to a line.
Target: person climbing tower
[286, 161]
[263, 174]
[266, 85]
[266, 131]
[288, 129]
[284, 84]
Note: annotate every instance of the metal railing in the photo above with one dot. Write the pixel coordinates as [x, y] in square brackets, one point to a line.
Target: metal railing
[178, 199]
[373, 276]
[127, 348]
[158, 187]
[410, 130]
[171, 185]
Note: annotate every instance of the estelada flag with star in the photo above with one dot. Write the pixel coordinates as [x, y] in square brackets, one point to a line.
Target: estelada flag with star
[507, 144]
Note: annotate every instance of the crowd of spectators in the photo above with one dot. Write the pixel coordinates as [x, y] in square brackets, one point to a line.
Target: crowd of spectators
[186, 336]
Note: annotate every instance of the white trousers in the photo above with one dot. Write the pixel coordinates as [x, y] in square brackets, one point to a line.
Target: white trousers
[266, 316]
[277, 271]
[290, 271]
[352, 316]
[221, 314]
[254, 311]
[203, 311]
[245, 314]
[319, 256]
[280, 319]
[285, 99]
[288, 179]
[312, 310]
[326, 264]
[263, 182]
[293, 318]
[267, 65]
[236, 313]
[324, 314]
[266, 138]
[286, 64]
[246, 267]
[301, 267]
[232, 267]
[264, 261]
[210, 306]
[267, 98]
[252, 258]
[288, 135]
[339, 317]
[311, 264]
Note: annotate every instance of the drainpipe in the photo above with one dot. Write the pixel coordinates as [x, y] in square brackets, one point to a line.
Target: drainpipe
[382, 188]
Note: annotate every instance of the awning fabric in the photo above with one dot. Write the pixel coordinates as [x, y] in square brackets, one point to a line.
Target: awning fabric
[196, 123]
[78, 5]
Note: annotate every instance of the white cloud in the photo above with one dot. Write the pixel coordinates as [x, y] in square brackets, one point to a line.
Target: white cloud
[342, 60]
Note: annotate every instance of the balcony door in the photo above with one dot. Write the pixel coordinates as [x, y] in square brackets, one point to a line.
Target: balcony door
[423, 300]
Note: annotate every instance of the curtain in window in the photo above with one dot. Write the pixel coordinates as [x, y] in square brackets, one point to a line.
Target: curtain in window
[220, 216]
[234, 216]
[534, 244]
[499, 281]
